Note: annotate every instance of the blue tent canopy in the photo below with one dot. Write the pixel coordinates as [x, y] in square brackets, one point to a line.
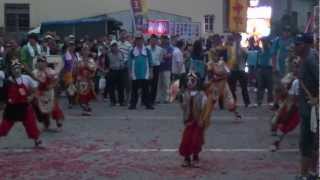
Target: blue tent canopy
[78, 21]
[91, 26]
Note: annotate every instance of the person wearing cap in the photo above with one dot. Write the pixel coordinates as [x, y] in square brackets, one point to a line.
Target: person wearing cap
[20, 90]
[117, 74]
[140, 62]
[46, 106]
[49, 45]
[157, 55]
[29, 52]
[308, 104]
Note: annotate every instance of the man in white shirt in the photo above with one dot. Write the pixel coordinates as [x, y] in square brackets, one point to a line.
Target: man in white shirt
[125, 47]
[178, 64]
[157, 55]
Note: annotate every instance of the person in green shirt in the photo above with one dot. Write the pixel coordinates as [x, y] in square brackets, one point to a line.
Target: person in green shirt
[30, 51]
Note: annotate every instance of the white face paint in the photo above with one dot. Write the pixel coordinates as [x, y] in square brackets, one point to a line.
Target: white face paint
[16, 72]
[191, 82]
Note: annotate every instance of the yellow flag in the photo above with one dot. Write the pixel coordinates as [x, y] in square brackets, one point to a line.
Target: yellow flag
[238, 15]
[145, 8]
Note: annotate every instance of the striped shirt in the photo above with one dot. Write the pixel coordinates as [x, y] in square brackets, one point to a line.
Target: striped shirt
[125, 48]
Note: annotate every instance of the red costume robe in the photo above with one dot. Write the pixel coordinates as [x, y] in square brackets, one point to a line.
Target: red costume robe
[85, 84]
[18, 108]
[46, 103]
[197, 109]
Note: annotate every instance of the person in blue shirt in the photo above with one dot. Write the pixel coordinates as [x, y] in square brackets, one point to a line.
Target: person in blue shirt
[280, 52]
[140, 62]
[252, 58]
[264, 72]
[198, 64]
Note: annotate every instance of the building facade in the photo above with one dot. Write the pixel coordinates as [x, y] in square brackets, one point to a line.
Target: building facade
[22, 15]
[19, 15]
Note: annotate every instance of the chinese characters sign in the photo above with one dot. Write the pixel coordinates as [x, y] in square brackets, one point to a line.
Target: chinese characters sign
[238, 15]
[140, 13]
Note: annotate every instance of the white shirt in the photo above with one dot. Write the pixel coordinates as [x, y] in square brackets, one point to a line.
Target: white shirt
[157, 54]
[2, 77]
[178, 66]
[125, 48]
[294, 89]
[27, 81]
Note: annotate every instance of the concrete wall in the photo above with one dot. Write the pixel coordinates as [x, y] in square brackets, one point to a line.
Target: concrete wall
[47, 10]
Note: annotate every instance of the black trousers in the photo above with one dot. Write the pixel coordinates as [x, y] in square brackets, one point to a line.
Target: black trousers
[154, 84]
[116, 83]
[242, 77]
[136, 86]
[265, 81]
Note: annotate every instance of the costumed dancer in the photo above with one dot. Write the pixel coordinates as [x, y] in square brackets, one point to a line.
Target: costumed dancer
[70, 60]
[85, 74]
[197, 108]
[46, 104]
[286, 118]
[218, 78]
[19, 95]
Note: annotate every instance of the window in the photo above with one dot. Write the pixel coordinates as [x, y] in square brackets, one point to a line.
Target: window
[208, 23]
[17, 17]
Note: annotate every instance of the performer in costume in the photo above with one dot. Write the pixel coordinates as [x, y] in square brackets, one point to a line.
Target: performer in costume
[46, 104]
[70, 60]
[286, 118]
[85, 74]
[197, 108]
[20, 92]
[217, 76]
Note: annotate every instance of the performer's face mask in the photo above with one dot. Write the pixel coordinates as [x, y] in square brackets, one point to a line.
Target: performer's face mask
[16, 71]
[191, 83]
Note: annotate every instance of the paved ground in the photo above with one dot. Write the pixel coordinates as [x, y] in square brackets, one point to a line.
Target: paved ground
[117, 143]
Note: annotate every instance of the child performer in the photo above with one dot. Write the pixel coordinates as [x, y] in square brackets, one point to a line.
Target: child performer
[46, 105]
[85, 81]
[286, 118]
[197, 108]
[218, 77]
[20, 92]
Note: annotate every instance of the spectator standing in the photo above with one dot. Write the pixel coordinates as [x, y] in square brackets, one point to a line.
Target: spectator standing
[237, 62]
[308, 99]
[252, 59]
[157, 55]
[140, 60]
[29, 52]
[125, 47]
[117, 74]
[198, 64]
[178, 63]
[165, 71]
[264, 71]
